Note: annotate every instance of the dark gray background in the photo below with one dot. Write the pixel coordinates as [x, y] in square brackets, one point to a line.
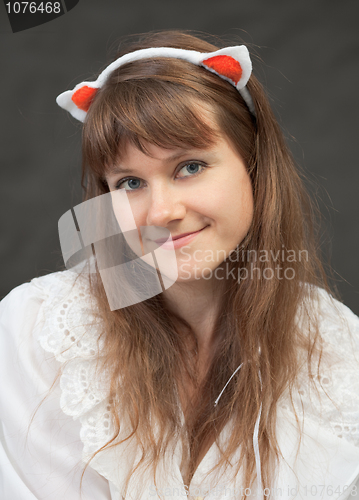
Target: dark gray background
[310, 69]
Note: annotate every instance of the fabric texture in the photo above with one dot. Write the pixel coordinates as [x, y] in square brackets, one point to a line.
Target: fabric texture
[49, 327]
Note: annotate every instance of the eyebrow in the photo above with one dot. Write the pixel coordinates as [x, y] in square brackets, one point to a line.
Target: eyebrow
[117, 169]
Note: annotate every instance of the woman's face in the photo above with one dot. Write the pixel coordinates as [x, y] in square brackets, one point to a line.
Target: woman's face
[204, 192]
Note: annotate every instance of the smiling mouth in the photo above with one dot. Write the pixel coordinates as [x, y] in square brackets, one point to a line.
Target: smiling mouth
[160, 241]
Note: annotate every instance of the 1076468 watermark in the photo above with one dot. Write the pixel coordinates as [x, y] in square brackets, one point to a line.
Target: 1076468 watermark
[230, 493]
[24, 15]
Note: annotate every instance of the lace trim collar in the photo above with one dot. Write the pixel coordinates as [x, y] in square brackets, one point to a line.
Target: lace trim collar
[68, 328]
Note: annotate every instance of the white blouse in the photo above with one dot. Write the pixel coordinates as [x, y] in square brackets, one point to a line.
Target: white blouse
[47, 327]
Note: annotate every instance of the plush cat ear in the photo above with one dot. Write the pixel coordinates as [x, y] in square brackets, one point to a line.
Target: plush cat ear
[234, 65]
[83, 97]
[224, 66]
[231, 63]
[78, 101]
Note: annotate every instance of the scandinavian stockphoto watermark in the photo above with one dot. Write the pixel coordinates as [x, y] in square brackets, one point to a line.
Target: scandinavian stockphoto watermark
[254, 264]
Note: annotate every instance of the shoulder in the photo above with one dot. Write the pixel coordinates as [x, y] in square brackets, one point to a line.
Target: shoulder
[337, 325]
[55, 309]
[40, 395]
[55, 318]
[38, 289]
[19, 310]
[335, 320]
[25, 368]
[329, 395]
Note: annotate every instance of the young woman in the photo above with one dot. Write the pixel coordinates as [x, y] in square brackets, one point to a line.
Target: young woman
[218, 365]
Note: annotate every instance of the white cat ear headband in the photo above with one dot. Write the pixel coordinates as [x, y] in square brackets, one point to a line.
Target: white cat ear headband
[231, 63]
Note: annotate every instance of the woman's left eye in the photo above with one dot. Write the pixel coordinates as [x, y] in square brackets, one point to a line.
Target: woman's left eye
[191, 169]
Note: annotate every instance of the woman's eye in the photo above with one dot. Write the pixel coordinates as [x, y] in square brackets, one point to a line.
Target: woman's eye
[192, 169]
[132, 184]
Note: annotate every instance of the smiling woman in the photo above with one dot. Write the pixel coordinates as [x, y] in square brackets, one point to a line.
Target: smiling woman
[230, 379]
[212, 208]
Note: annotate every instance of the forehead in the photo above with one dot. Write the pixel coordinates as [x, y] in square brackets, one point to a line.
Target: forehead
[134, 148]
[134, 159]
[132, 155]
[157, 159]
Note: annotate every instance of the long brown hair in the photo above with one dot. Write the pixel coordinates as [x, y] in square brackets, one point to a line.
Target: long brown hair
[153, 101]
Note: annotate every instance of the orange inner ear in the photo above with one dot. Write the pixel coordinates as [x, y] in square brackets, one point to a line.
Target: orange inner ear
[225, 66]
[83, 97]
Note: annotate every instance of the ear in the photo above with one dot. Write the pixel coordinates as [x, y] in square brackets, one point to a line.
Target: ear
[224, 66]
[232, 64]
[83, 97]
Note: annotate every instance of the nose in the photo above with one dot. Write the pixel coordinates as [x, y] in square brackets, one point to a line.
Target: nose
[165, 206]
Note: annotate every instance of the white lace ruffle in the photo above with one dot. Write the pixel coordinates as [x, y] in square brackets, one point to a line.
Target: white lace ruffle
[69, 329]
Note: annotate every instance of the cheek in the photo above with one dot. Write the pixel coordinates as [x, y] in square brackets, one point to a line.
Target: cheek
[247, 203]
[236, 205]
[129, 219]
[138, 211]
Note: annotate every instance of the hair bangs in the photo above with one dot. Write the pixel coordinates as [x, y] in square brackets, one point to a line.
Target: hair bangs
[144, 112]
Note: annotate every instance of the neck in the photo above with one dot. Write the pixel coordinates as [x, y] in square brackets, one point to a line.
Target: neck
[197, 302]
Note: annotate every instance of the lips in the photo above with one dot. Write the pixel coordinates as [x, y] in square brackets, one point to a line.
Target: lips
[160, 241]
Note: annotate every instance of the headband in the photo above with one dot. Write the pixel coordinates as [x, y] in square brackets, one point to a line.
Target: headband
[233, 64]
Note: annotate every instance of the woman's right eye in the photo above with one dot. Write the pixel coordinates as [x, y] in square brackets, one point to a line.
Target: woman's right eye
[132, 182]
